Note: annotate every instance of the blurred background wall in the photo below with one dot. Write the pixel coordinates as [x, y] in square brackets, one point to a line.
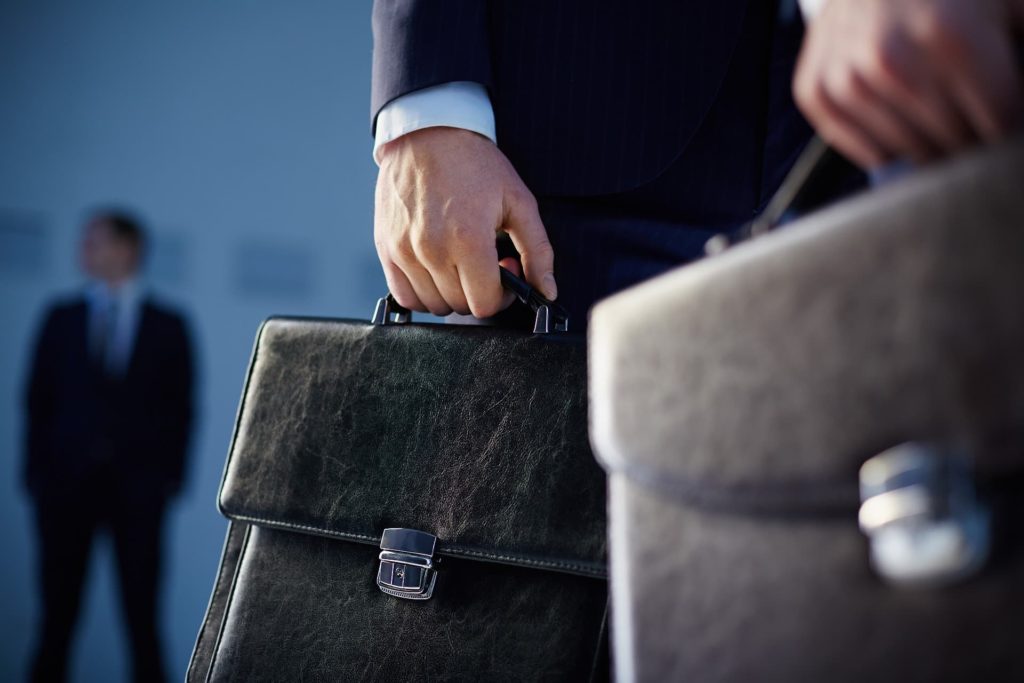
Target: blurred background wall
[239, 131]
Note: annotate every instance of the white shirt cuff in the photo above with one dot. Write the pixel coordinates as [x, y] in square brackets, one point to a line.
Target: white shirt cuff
[811, 8]
[459, 104]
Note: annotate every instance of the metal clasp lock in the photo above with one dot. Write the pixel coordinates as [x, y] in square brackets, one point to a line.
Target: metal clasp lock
[922, 514]
[407, 565]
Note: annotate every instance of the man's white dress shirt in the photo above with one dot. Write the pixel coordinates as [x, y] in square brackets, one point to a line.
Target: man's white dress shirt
[113, 323]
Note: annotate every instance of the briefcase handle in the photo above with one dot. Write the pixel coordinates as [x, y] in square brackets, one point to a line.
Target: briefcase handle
[549, 316]
[816, 178]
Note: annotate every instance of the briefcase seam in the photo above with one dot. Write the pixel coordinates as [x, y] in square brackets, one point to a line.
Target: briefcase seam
[460, 550]
[307, 527]
[454, 550]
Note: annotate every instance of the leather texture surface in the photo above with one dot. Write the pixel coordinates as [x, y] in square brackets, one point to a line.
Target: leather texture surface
[475, 435]
[306, 608]
[723, 597]
[734, 401]
[890, 317]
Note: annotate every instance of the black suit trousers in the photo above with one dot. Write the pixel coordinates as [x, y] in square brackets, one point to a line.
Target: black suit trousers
[67, 526]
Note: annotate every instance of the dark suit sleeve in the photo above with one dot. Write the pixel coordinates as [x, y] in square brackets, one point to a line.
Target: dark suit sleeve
[420, 43]
[40, 397]
[181, 369]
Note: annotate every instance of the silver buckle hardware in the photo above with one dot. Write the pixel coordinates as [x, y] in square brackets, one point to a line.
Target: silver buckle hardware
[920, 511]
[407, 565]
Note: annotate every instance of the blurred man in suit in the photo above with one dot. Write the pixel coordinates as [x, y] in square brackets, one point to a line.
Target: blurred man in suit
[109, 409]
[611, 139]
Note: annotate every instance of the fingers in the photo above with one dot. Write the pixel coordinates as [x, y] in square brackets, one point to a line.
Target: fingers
[511, 264]
[409, 282]
[988, 88]
[825, 103]
[436, 248]
[426, 290]
[449, 286]
[442, 269]
[899, 73]
[840, 129]
[478, 275]
[400, 287]
[523, 224]
[442, 195]
[883, 120]
[885, 79]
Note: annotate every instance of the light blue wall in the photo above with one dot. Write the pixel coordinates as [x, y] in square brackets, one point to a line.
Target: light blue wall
[240, 131]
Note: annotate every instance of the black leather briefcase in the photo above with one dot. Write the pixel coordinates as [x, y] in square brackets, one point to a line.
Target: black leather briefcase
[409, 502]
[815, 444]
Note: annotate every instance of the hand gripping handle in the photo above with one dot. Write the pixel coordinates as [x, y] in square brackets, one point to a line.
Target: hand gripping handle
[550, 317]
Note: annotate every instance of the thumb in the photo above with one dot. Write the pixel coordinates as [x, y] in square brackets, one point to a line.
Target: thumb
[523, 225]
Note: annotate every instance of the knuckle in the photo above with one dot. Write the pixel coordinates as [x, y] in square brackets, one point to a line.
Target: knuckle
[402, 251]
[484, 304]
[887, 62]
[803, 89]
[406, 300]
[809, 93]
[462, 233]
[542, 252]
[525, 198]
[844, 86]
[483, 310]
[427, 247]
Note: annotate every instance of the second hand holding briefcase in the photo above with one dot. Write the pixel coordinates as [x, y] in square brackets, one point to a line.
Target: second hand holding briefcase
[814, 444]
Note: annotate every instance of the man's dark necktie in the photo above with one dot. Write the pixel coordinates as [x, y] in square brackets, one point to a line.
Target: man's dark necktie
[106, 339]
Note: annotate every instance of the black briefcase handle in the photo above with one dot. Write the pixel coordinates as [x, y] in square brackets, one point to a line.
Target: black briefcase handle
[550, 317]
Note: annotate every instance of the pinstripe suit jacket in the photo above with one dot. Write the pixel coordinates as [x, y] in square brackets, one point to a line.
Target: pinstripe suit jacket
[590, 96]
[642, 126]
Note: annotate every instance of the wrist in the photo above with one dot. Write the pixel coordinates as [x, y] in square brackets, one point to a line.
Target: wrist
[431, 135]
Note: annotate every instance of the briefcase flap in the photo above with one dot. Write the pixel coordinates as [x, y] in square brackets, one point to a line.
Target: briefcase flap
[475, 435]
[764, 377]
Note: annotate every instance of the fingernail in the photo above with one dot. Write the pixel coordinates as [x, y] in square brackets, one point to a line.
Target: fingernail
[550, 288]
